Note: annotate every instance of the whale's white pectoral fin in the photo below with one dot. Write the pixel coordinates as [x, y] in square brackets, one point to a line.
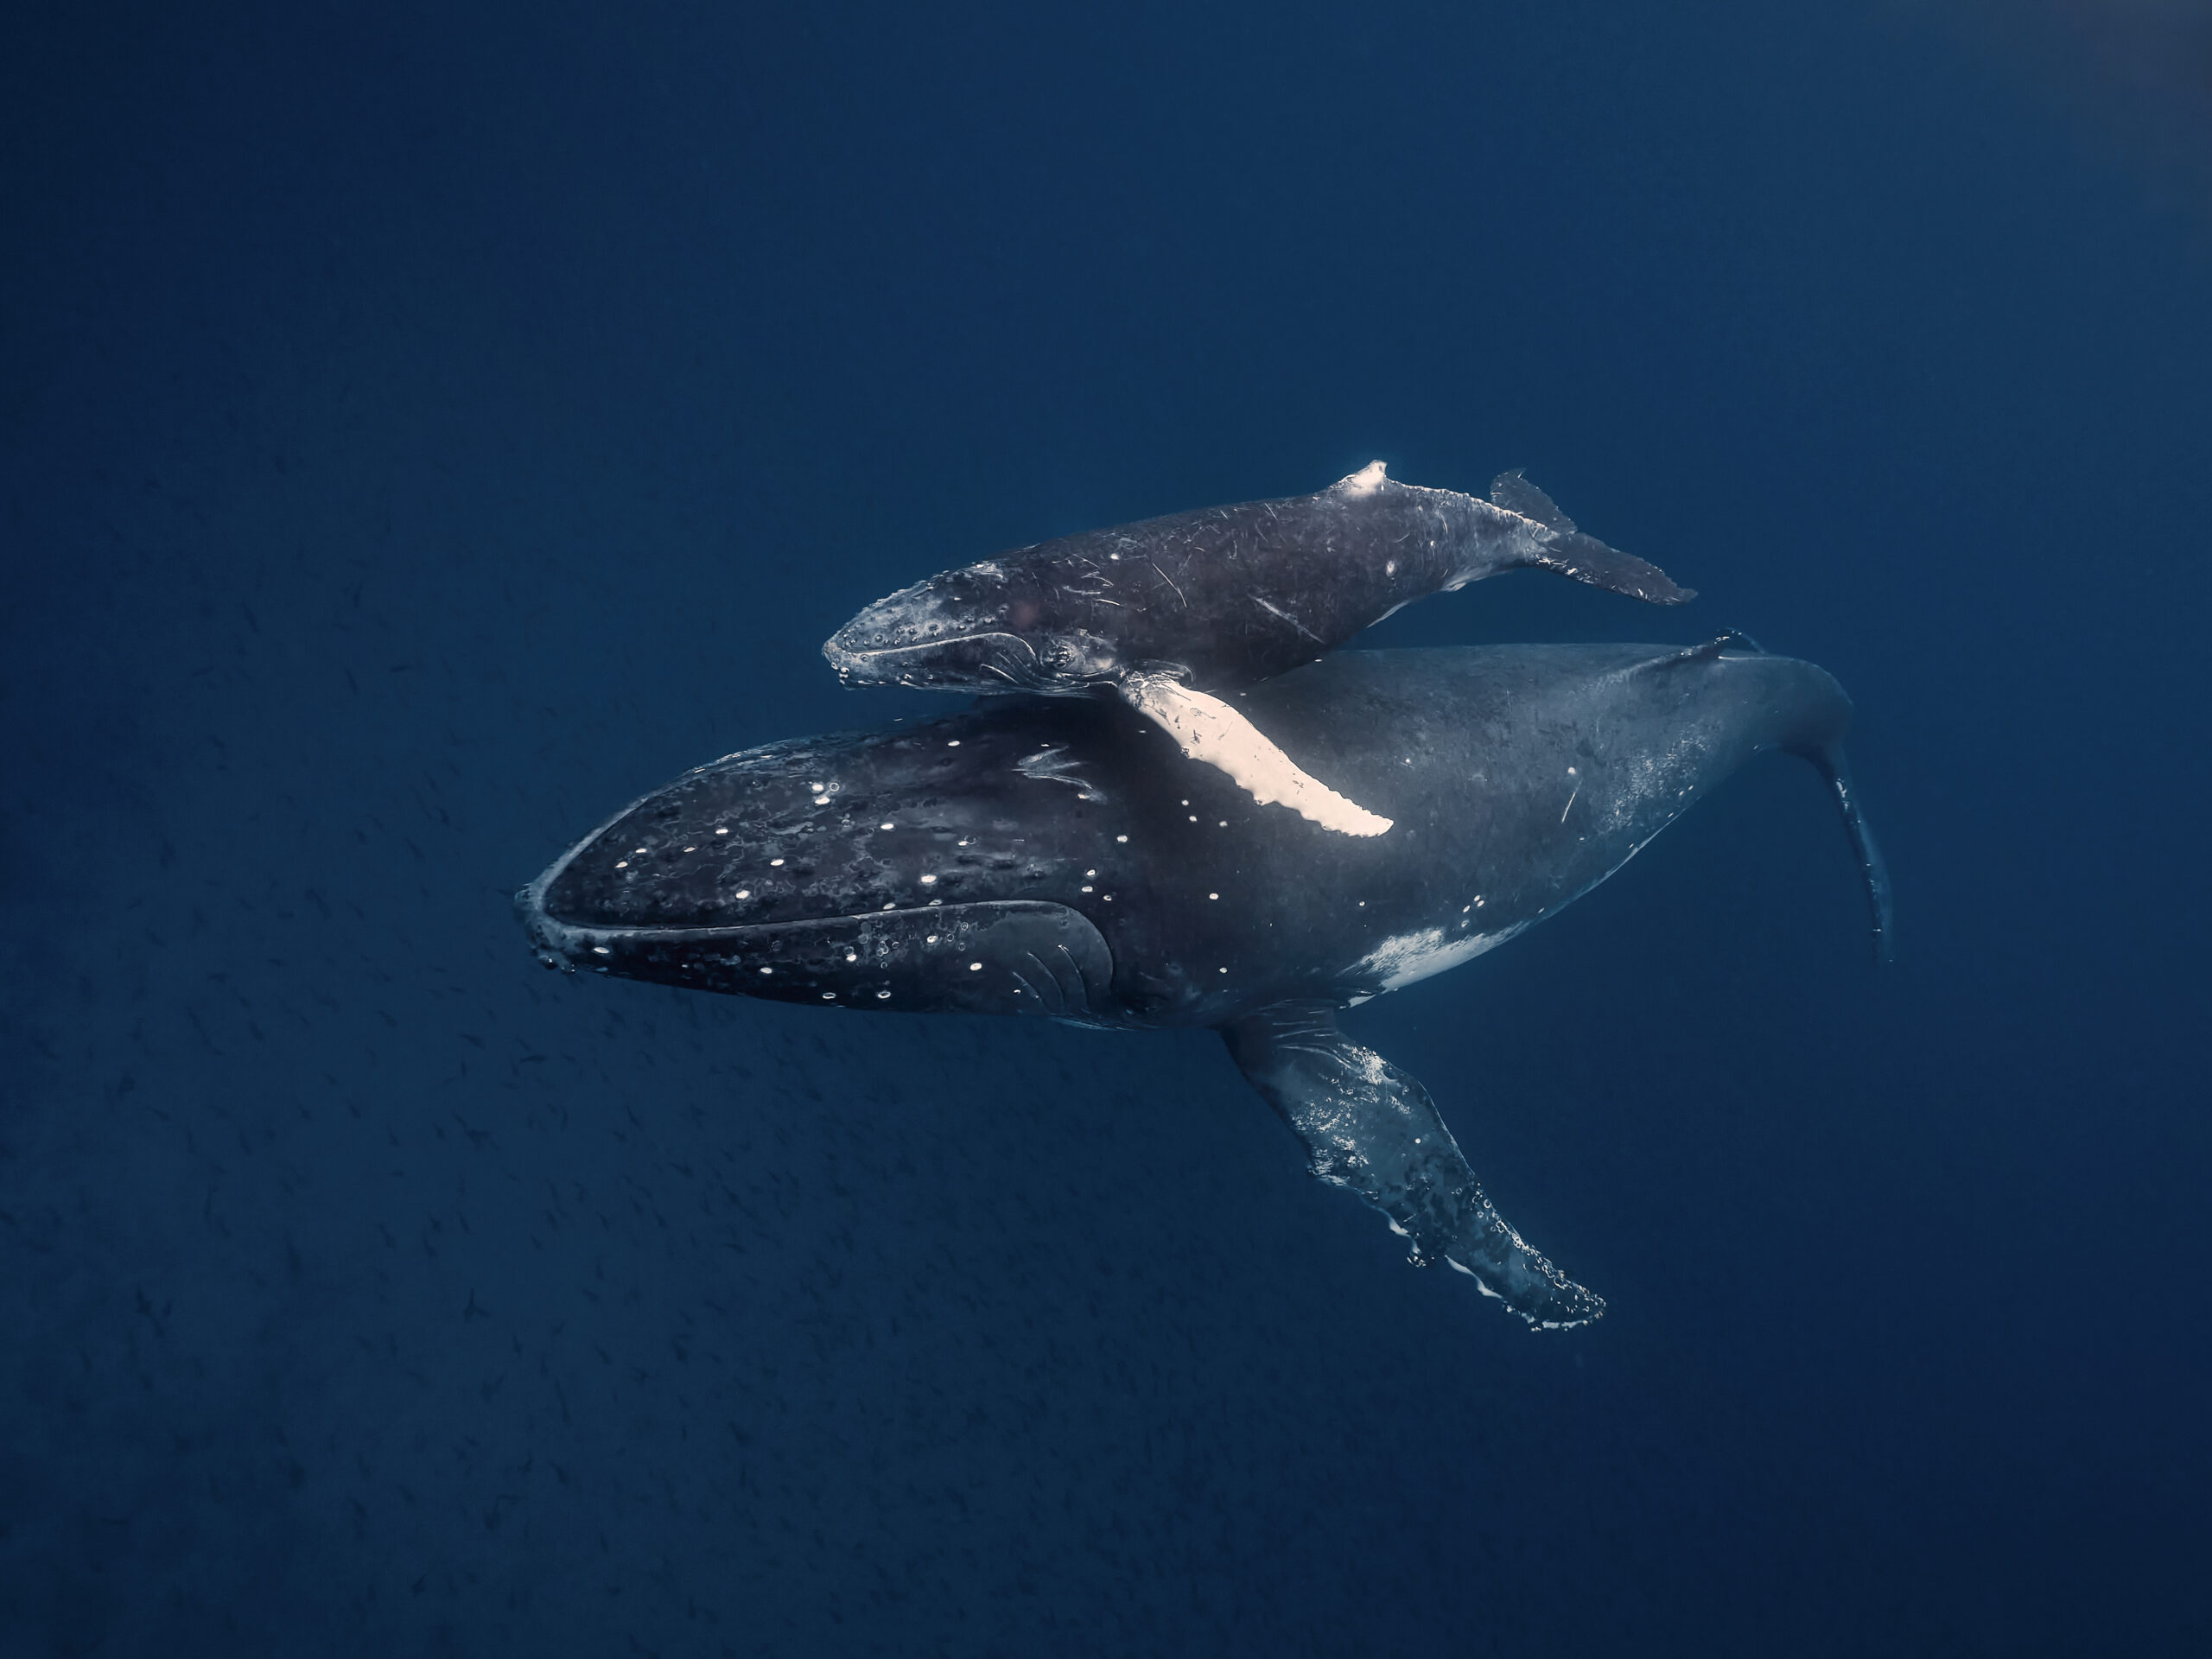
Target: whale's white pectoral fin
[1369, 1126]
[1206, 728]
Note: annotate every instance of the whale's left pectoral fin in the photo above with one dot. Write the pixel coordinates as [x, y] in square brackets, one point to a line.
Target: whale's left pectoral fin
[1206, 728]
[1369, 1126]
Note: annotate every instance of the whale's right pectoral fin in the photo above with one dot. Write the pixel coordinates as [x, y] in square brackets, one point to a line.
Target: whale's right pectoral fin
[1367, 1125]
[1206, 728]
[1563, 548]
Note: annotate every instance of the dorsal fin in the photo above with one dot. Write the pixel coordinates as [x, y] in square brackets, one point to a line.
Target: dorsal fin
[1368, 479]
[1707, 651]
[1516, 494]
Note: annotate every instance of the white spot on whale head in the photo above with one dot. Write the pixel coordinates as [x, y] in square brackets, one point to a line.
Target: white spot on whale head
[1409, 957]
[1364, 482]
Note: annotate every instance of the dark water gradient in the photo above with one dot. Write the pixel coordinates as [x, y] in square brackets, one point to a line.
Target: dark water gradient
[425, 428]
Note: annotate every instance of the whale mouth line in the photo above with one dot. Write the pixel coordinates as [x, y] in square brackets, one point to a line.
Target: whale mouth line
[587, 944]
[849, 659]
[576, 943]
[990, 956]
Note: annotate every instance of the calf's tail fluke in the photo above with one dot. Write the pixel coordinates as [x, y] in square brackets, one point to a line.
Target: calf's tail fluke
[1562, 547]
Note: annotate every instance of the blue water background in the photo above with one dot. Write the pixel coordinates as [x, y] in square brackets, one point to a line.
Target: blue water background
[424, 428]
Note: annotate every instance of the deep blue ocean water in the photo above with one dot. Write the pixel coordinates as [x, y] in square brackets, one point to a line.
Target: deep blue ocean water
[424, 428]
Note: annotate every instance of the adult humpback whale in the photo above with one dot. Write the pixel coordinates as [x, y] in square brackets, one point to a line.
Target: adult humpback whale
[1174, 612]
[1058, 858]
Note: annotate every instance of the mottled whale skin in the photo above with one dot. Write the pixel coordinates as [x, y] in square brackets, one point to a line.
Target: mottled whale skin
[1059, 858]
[1175, 614]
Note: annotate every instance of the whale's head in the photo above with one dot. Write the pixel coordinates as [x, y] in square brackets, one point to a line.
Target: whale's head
[988, 627]
[890, 871]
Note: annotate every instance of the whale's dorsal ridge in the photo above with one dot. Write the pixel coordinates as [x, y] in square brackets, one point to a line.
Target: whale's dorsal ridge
[1364, 482]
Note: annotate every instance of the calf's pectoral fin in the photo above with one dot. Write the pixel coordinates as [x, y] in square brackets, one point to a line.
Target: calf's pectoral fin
[1369, 1126]
[1206, 728]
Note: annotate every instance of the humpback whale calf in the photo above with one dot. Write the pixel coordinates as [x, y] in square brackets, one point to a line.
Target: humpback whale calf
[1172, 613]
[1059, 858]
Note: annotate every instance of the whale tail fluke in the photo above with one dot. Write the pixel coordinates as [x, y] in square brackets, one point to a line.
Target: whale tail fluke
[1562, 547]
[1880, 905]
[1818, 738]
